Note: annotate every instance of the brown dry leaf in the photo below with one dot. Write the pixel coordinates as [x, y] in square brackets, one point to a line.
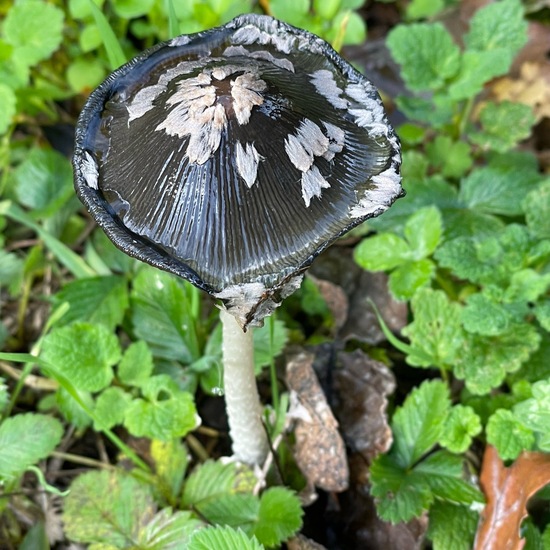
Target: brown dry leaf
[335, 298]
[319, 451]
[531, 88]
[507, 491]
[299, 542]
[362, 385]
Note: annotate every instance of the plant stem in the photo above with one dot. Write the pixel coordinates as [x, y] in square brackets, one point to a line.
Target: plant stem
[244, 410]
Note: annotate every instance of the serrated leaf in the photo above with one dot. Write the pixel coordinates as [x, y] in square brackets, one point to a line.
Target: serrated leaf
[238, 510]
[498, 26]
[498, 191]
[443, 474]
[508, 435]
[107, 508]
[382, 252]
[427, 54]
[101, 300]
[405, 281]
[485, 361]
[279, 516]
[136, 365]
[436, 334]
[24, 440]
[452, 527]
[34, 29]
[110, 408]
[526, 285]
[534, 413]
[162, 315]
[400, 495]
[209, 481]
[71, 409]
[418, 424]
[222, 538]
[536, 207]
[503, 125]
[171, 460]
[84, 353]
[461, 426]
[481, 315]
[43, 181]
[452, 157]
[168, 530]
[166, 412]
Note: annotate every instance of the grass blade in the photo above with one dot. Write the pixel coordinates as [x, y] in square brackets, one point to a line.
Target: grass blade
[173, 23]
[110, 41]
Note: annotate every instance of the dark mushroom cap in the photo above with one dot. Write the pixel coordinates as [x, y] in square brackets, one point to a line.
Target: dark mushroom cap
[234, 156]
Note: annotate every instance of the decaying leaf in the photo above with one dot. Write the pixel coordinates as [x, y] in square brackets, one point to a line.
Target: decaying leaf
[320, 451]
[361, 287]
[336, 300]
[299, 542]
[507, 491]
[362, 385]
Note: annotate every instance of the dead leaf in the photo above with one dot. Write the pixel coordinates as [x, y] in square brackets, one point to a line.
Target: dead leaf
[507, 491]
[362, 385]
[299, 542]
[338, 266]
[319, 451]
[335, 298]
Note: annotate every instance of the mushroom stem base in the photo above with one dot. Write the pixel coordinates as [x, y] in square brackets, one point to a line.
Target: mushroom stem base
[243, 405]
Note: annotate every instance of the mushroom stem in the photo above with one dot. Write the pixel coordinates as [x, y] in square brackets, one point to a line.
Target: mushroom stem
[244, 410]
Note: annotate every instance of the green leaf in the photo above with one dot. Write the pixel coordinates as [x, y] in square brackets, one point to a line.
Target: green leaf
[508, 435]
[222, 538]
[382, 252]
[165, 413]
[34, 29]
[527, 285]
[136, 365]
[171, 459]
[84, 353]
[279, 517]
[498, 27]
[452, 157]
[436, 112]
[238, 510]
[452, 527]
[208, 482]
[400, 495]
[108, 508]
[503, 125]
[100, 300]
[43, 180]
[162, 315]
[72, 410]
[110, 408]
[542, 313]
[405, 281]
[421, 9]
[11, 270]
[127, 9]
[485, 361]
[263, 350]
[85, 74]
[481, 315]
[536, 207]
[461, 426]
[427, 55]
[418, 424]
[168, 530]
[423, 231]
[24, 440]
[534, 413]
[436, 334]
[7, 100]
[497, 190]
[442, 472]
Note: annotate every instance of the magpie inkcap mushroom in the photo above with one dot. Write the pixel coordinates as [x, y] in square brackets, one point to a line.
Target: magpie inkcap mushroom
[234, 156]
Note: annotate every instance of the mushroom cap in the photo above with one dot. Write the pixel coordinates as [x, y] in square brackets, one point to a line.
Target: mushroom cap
[234, 156]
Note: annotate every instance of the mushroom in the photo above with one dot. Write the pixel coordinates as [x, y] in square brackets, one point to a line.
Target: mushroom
[232, 158]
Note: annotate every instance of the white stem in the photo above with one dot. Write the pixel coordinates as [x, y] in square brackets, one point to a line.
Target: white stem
[244, 410]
